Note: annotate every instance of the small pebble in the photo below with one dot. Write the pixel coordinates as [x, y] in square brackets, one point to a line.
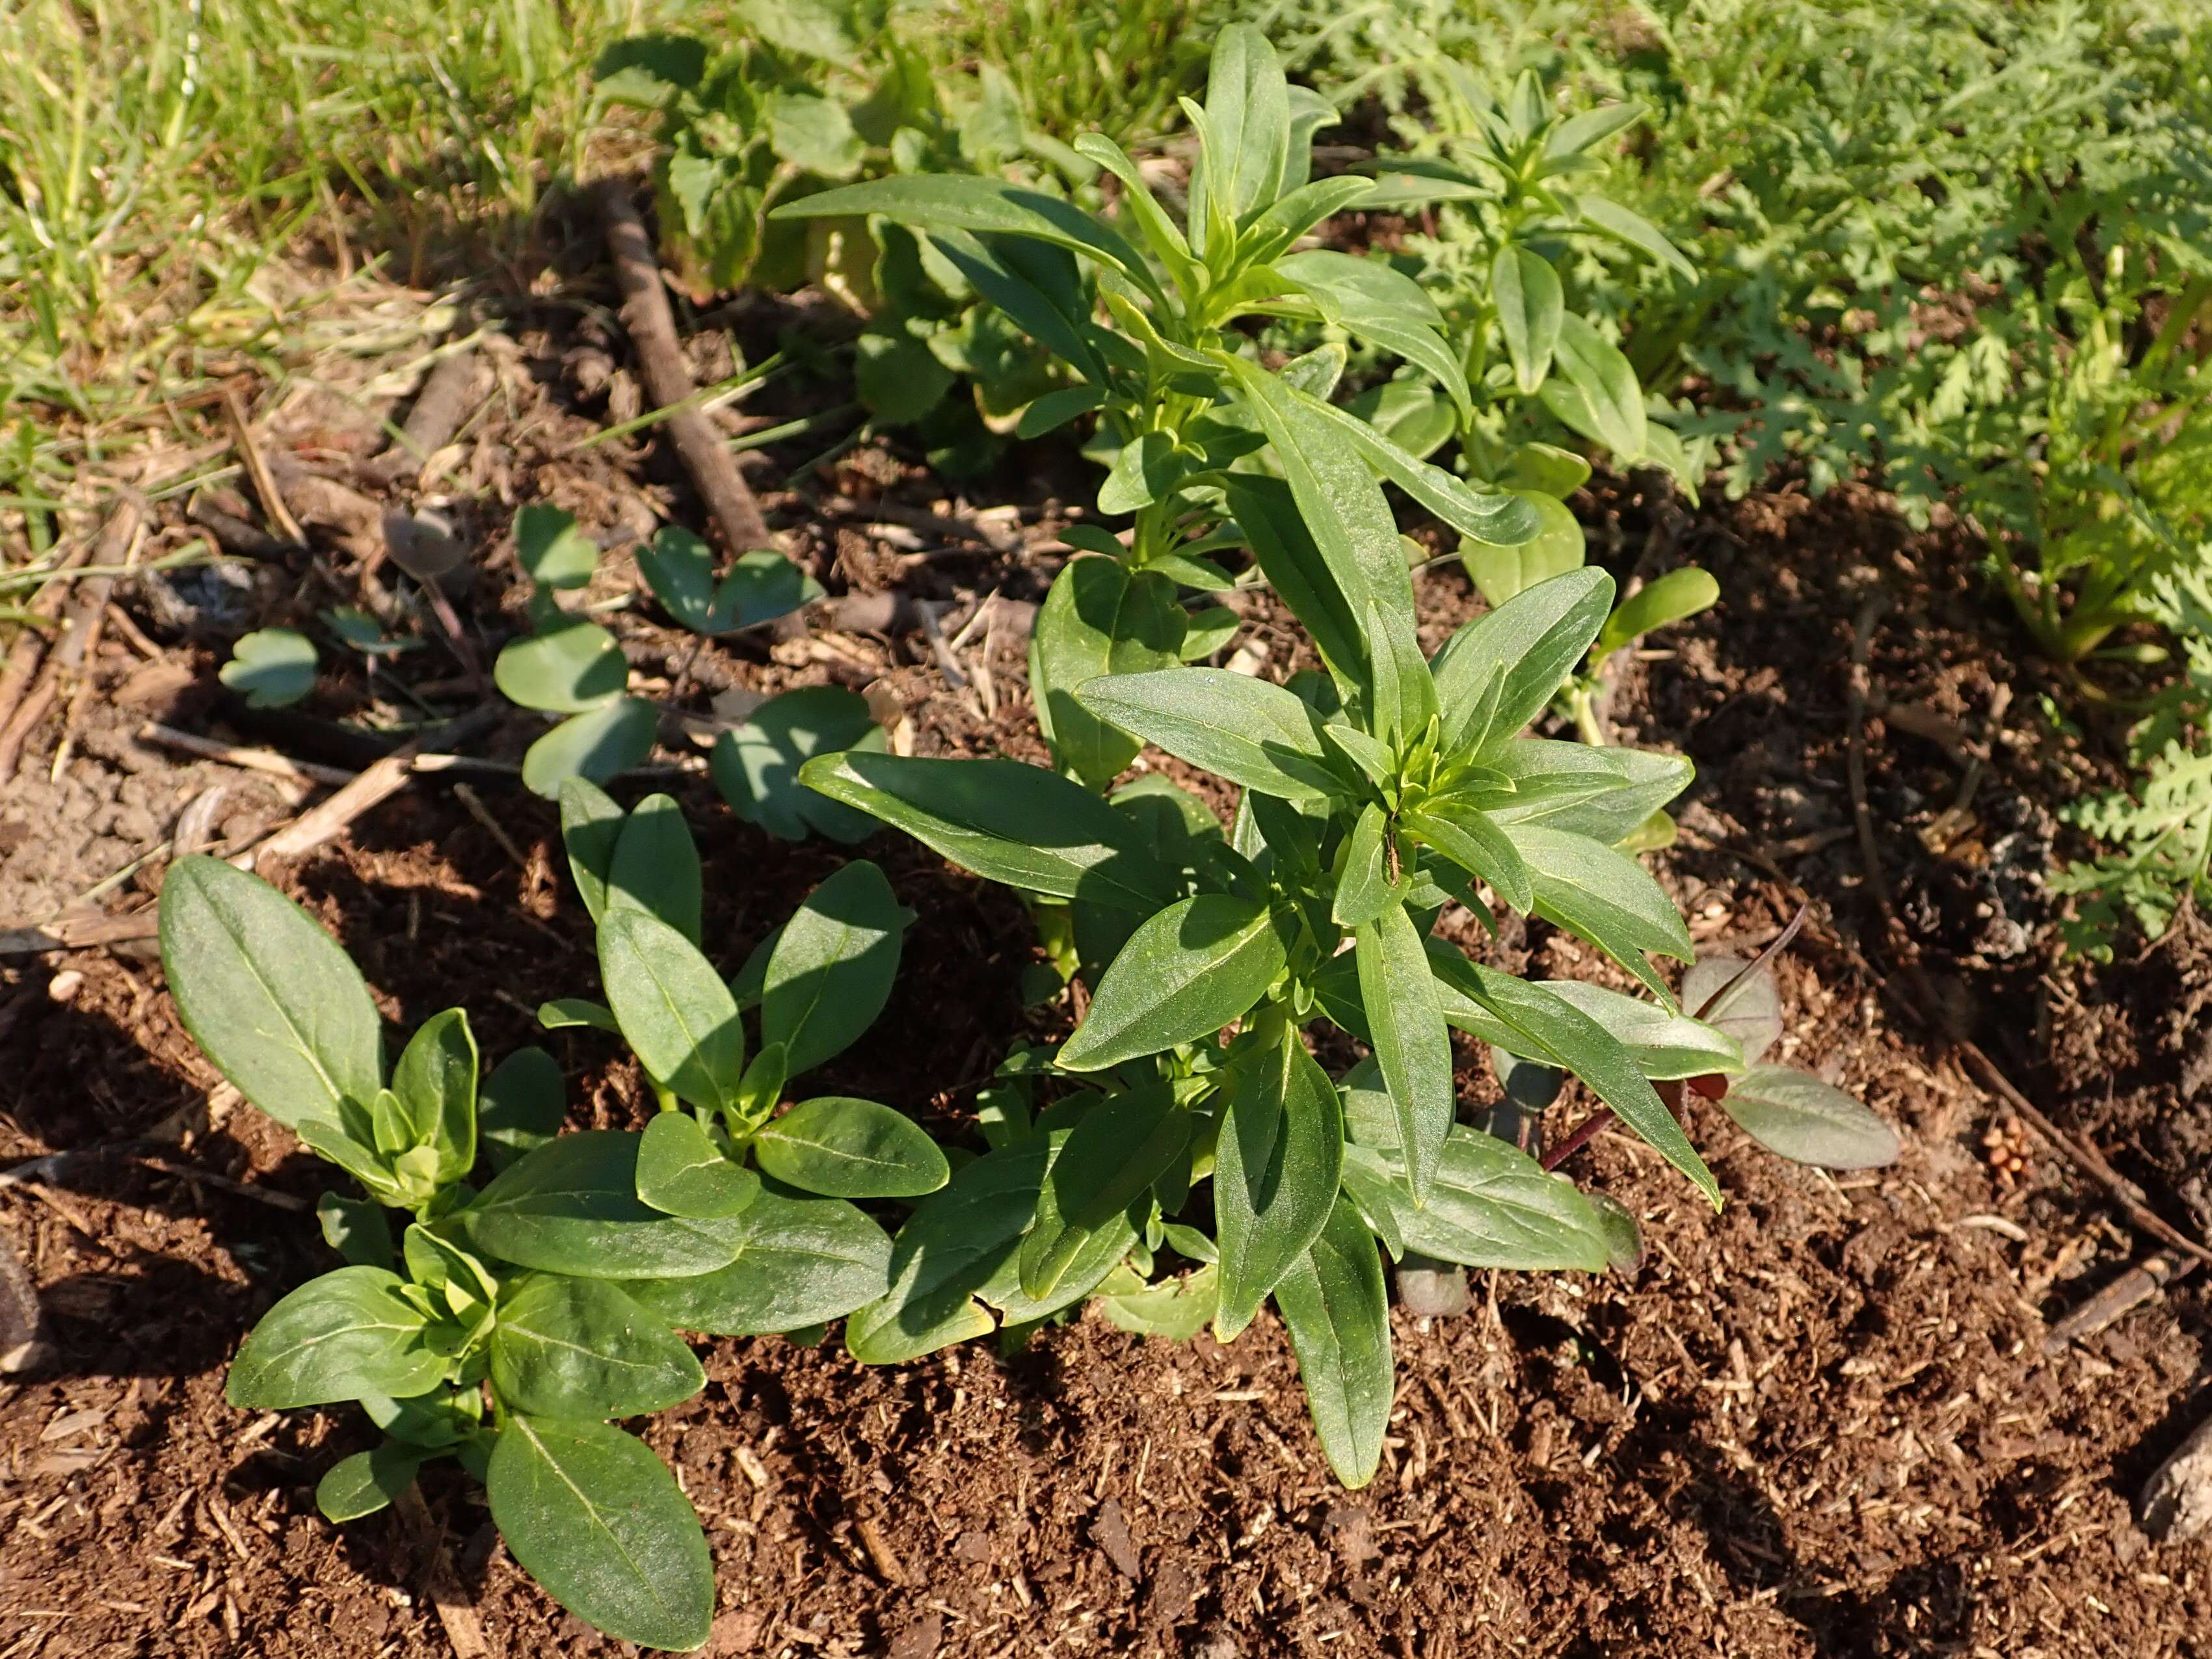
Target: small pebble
[64, 985]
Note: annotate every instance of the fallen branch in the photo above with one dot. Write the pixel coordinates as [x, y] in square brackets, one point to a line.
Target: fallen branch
[668, 381]
[32, 679]
[448, 396]
[374, 785]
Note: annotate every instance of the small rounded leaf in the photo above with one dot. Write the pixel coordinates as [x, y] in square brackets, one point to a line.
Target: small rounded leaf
[608, 740]
[568, 667]
[271, 667]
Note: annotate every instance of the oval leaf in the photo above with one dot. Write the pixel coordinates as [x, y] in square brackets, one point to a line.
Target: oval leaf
[610, 738]
[831, 969]
[1277, 1167]
[801, 1261]
[580, 1348]
[572, 1207]
[680, 1171]
[675, 1011]
[1184, 974]
[847, 1148]
[348, 1334]
[1795, 1113]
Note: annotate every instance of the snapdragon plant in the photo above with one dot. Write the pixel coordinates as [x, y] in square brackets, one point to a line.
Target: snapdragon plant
[1206, 445]
[507, 1324]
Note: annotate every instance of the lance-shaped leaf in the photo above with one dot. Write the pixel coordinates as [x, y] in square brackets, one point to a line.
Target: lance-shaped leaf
[1248, 103]
[1113, 1155]
[676, 1012]
[1606, 898]
[655, 865]
[801, 1261]
[1277, 1166]
[1383, 306]
[1473, 840]
[436, 1085]
[593, 1516]
[1304, 577]
[348, 1334]
[590, 828]
[580, 1348]
[1492, 515]
[847, 1148]
[987, 207]
[1185, 973]
[1243, 729]
[1413, 1047]
[572, 1207]
[1526, 291]
[1662, 1043]
[1537, 637]
[1273, 233]
[1037, 285]
[1633, 229]
[1673, 598]
[1008, 823]
[1806, 1120]
[1747, 1005]
[1363, 887]
[267, 994]
[1338, 1313]
[1547, 1028]
[1492, 1204]
[1610, 404]
[1097, 619]
[1160, 232]
[1581, 789]
[832, 967]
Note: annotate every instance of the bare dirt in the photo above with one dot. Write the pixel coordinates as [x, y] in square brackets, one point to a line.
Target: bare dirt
[1823, 1422]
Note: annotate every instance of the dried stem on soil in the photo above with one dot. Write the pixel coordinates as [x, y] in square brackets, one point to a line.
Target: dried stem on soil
[651, 327]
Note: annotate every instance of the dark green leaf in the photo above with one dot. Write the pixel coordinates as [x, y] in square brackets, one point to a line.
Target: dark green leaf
[1363, 888]
[436, 1084]
[580, 1348]
[1412, 1047]
[676, 1012]
[1605, 897]
[572, 1207]
[1337, 1312]
[1277, 1166]
[1009, 823]
[593, 1516]
[655, 866]
[1526, 290]
[550, 548]
[1611, 396]
[845, 1148]
[1099, 618]
[356, 1229]
[278, 1007]
[598, 744]
[1537, 637]
[756, 765]
[1674, 597]
[523, 1106]
[1245, 730]
[1505, 572]
[801, 1261]
[568, 667]
[347, 1333]
[1583, 790]
[591, 827]
[681, 1171]
[1185, 973]
[832, 968]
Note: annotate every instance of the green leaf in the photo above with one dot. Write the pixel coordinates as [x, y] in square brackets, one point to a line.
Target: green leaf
[761, 586]
[435, 1082]
[1504, 573]
[551, 549]
[1160, 232]
[841, 1147]
[1473, 840]
[1526, 291]
[1243, 729]
[950, 1248]
[1208, 631]
[801, 1261]
[1248, 103]
[1613, 400]
[1383, 307]
[357, 1229]
[1546, 1028]
[1099, 618]
[1277, 1166]
[1291, 557]
[985, 206]
[1039, 288]
[590, 828]
[676, 1012]
[832, 968]
[811, 28]
[1795, 1113]
[267, 994]
[1185, 973]
[679, 568]
[1274, 232]
[1114, 1153]
[1408, 416]
[1538, 637]
[367, 1481]
[1492, 1204]
[1056, 407]
[681, 1171]
[1413, 1047]
[568, 667]
[1174, 1310]
[1606, 898]
[523, 1105]
[655, 866]
[572, 1207]
[1338, 1314]
[1673, 598]
[1747, 1007]
[270, 667]
[813, 133]
[347, 1333]
[1404, 700]
[578, 1014]
[1584, 790]
[608, 740]
[1663, 1044]
[580, 1348]
[1636, 230]
[1488, 515]
[755, 766]
[596, 1518]
[1547, 469]
[1007, 822]
[1364, 889]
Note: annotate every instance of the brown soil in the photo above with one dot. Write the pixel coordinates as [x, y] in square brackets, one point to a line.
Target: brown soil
[1820, 1423]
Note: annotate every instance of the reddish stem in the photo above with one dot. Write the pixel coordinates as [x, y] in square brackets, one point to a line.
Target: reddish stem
[1670, 1093]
